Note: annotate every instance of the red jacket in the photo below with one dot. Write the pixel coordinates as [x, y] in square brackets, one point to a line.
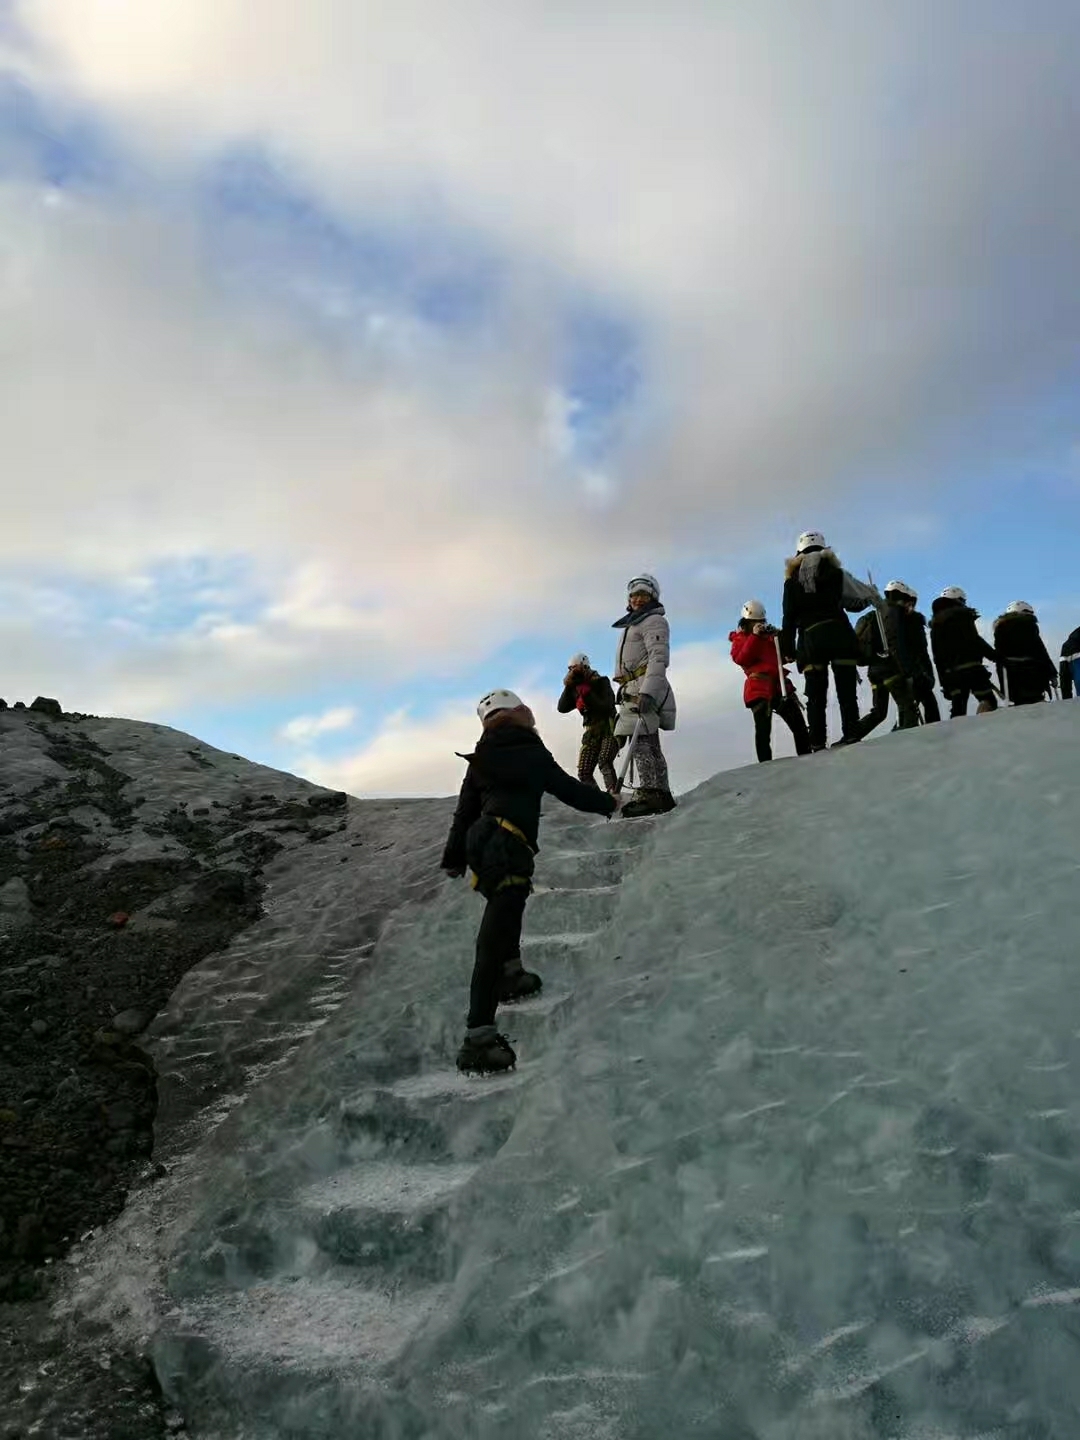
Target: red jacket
[757, 656]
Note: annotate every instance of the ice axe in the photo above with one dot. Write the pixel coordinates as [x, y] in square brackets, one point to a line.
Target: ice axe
[621, 777]
[877, 612]
[780, 674]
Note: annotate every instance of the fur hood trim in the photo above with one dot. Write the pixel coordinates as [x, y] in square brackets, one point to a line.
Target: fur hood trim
[793, 565]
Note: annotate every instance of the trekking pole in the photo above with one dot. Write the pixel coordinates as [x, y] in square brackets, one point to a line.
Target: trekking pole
[621, 777]
[780, 672]
[877, 612]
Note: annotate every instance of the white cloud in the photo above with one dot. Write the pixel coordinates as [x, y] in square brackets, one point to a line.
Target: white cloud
[829, 234]
[304, 728]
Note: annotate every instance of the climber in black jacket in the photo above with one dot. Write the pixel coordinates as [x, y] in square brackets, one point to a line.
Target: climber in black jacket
[959, 653]
[494, 833]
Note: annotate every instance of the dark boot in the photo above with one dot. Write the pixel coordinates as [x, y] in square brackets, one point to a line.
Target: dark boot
[648, 802]
[517, 983]
[485, 1052]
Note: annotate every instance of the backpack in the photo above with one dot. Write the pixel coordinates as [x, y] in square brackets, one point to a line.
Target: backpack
[868, 639]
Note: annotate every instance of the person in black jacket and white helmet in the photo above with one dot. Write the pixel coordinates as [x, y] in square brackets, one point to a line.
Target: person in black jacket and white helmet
[494, 833]
[817, 633]
[645, 693]
[1026, 673]
[959, 653]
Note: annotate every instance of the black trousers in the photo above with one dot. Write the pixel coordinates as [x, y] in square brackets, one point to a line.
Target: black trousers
[924, 696]
[962, 684]
[792, 716]
[498, 940]
[881, 691]
[502, 865]
[817, 698]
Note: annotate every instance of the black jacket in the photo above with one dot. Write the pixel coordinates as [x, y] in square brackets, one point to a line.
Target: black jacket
[816, 628]
[1070, 651]
[894, 657]
[1022, 655]
[509, 772]
[955, 640]
[918, 645]
[599, 702]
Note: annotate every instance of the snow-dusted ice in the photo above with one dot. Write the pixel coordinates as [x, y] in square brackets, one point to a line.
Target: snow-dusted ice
[795, 1155]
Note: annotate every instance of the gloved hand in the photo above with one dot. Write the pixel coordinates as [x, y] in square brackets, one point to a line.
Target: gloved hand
[454, 872]
[646, 704]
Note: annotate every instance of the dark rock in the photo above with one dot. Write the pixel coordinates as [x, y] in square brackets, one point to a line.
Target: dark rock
[28, 1237]
[19, 705]
[130, 1022]
[331, 800]
[120, 1115]
[52, 708]
[39, 1027]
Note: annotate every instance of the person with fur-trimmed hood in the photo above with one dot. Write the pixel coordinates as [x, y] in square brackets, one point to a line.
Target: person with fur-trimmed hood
[590, 693]
[1026, 673]
[960, 652]
[1070, 666]
[645, 693]
[494, 833]
[754, 648]
[818, 635]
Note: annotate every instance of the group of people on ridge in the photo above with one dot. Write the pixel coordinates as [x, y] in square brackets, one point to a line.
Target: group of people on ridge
[494, 833]
[890, 641]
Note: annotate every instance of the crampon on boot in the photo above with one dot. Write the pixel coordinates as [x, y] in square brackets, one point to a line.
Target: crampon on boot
[485, 1052]
[649, 802]
[517, 983]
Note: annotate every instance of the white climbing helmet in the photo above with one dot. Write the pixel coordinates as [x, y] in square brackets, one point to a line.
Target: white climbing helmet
[810, 540]
[498, 700]
[580, 661]
[753, 610]
[1019, 607]
[954, 592]
[898, 587]
[644, 582]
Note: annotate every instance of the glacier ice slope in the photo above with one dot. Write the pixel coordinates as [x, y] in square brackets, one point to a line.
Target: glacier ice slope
[791, 1152]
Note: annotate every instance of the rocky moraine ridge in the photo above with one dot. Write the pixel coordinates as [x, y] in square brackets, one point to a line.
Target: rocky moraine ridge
[139, 1000]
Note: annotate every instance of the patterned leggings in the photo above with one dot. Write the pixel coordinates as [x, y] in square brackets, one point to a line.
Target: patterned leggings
[598, 747]
[650, 765]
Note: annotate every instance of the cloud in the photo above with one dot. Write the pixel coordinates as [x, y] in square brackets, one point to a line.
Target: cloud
[305, 728]
[829, 240]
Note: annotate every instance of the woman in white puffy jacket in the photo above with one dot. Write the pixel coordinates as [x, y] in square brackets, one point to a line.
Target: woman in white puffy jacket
[641, 672]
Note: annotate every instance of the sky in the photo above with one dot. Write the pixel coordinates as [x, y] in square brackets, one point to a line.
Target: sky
[353, 355]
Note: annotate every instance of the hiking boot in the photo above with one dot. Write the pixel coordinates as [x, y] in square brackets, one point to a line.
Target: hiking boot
[846, 740]
[517, 983]
[485, 1052]
[986, 707]
[649, 802]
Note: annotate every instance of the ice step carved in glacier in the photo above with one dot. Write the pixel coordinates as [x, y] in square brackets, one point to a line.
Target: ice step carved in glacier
[372, 1248]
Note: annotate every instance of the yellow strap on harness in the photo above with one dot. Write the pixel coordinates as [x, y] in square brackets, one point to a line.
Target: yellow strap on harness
[510, 879]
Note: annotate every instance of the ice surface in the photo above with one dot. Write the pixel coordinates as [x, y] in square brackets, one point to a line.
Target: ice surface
[800, 1160]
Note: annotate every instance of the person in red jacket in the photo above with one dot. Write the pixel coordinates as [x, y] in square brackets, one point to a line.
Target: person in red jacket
[754, 647]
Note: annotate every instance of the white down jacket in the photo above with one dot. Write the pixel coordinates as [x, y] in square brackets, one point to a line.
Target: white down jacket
[641, 664]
